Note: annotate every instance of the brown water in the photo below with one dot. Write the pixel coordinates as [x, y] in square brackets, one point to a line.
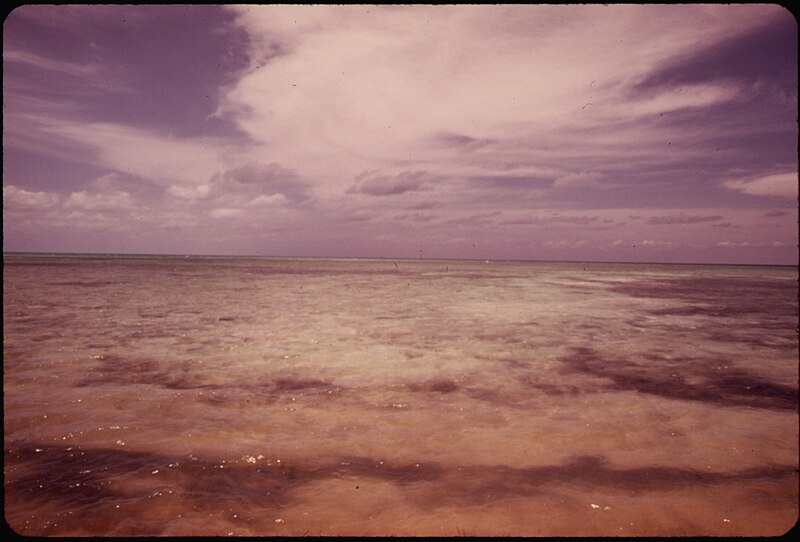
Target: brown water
[214, 396]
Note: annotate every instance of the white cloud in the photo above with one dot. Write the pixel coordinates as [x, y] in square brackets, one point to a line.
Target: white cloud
[15, 198]
[270, 200]
[359, 87]
[746, 244]
[190, 193]
[161, 158]
[113, 201]
[779, 184]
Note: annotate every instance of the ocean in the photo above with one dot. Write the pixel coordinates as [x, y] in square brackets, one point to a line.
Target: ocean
[172, 396]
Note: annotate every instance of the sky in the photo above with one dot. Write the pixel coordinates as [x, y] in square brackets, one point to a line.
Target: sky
[633, 133]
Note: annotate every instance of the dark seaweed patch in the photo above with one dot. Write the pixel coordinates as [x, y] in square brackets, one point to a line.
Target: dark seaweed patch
[668, 378]
[89, 283]
[186, 375]
[765, 311]
[437, 386]
[286, 384]
[120, 370]
[551, 389]
[772, 303]
[87, 480]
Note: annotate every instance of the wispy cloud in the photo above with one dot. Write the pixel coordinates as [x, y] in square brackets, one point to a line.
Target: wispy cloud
[779, 184]
[64, 68]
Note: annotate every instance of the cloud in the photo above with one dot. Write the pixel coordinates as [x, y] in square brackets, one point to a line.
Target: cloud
[462, 143]
[415, 217]
[40, 62]
[190, 193]
[553, 219]
[652, 243]
[254, 178]
[226, 212]
[382, 84]
[774, 213]
[421, 205]
[779, 184]
[684, 97]
[359, 216]
[476, 219]
[158, 157]
[369, 182]
[681, 219]
[581, 180]
[248, 185]
[15, 198]
[270, 200]
[254, 173]
[111, 202]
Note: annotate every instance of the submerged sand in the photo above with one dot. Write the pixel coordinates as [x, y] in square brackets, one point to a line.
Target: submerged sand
[202, 396]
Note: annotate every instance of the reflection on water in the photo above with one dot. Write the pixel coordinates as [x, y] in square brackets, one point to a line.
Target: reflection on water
[214, 396]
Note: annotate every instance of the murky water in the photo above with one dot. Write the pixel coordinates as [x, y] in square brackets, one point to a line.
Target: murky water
[203, 396]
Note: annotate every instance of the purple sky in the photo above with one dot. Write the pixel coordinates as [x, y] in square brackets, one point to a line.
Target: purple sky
[551, 132]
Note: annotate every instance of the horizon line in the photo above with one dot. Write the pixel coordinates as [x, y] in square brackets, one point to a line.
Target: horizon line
[386, 258]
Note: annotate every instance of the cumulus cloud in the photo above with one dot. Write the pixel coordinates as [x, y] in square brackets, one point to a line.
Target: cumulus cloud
[191, 192]
[779, 184]
[270, 200]
[113, 201]
[250, 185]
[15, 198]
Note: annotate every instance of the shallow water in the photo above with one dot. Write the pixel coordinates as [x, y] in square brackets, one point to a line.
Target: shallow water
[236, 396]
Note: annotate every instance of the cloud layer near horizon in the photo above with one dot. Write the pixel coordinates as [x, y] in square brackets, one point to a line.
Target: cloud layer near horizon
[641, 133]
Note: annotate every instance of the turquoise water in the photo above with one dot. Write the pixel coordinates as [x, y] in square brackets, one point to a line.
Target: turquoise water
[260, 396]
